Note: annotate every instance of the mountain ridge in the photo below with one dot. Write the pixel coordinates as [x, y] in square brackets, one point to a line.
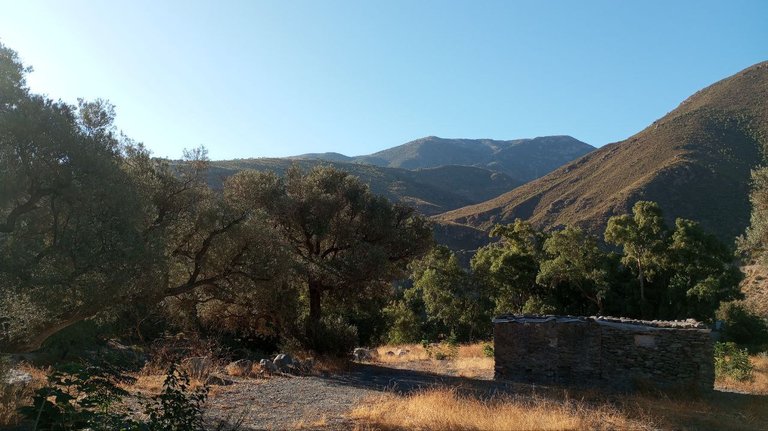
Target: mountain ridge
[695, 161]
[522, 159]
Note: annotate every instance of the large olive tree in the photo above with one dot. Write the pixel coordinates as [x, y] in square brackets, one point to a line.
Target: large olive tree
[70, 222]
[347, 243]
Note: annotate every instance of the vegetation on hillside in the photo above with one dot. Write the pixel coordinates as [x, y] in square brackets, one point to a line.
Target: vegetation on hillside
[430, 191]
[695, 162]
[658, 273]
[521, 159]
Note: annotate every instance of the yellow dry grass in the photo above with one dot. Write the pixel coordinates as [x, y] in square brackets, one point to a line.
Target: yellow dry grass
[14, 396]
[470, 360]
[759, 383]
[445, 409]
[311, 424]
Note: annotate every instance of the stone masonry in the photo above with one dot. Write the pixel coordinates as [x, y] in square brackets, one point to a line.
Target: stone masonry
[601, 351]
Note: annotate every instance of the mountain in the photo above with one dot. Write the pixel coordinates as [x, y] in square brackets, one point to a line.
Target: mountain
[430, 191]
[331, 157]
[521, 159]
[695, 161]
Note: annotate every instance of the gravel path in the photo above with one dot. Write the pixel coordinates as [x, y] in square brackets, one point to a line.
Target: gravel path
[320, 402]
[280, 403]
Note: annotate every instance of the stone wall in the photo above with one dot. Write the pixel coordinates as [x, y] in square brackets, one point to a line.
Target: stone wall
[619, 353]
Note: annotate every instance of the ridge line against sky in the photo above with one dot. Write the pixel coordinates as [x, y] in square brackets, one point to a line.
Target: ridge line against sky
[265, 79]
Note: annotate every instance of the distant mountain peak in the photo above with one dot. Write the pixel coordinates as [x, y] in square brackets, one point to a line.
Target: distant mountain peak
[695, 161]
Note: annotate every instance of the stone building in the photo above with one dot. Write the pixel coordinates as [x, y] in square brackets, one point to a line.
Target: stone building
[602, 351]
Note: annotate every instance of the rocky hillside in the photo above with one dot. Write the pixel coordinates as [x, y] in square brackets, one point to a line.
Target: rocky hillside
[695, 161]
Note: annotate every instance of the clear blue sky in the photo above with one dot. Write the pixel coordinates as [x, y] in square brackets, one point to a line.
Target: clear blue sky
[253, 79]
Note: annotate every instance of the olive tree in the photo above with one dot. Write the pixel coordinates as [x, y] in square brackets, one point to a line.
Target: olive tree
[346, 242]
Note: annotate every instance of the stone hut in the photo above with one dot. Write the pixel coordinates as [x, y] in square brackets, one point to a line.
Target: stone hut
[602, 351]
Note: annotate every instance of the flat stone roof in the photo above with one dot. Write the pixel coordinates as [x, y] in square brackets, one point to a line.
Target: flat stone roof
[617, 322]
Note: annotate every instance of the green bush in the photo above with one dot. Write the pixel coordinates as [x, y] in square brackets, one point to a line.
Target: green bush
[742, 327]
[177, 408]
[732, 361]
[79, 397]
[335, 337]
[488, 350]
[405, 326]
[82, 397]
[536, 305]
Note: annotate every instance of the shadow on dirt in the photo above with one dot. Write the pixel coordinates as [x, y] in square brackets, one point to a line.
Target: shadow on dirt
[402, 382]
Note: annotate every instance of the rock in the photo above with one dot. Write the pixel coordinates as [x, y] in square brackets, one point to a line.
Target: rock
[390, 353]
[217, 381]
[17, 377]
[284, 362]
[239, 368]
[363, 354]
[401, 352]
[268, 366]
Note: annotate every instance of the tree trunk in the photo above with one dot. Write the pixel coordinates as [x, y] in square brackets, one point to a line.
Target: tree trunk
[315, 310]
[641, 279]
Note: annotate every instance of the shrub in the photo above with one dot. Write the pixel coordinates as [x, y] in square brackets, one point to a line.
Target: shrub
[536, 305]
[86, 397]
[79, 397]
[732, 361]
[742, 327]
[177, 408]
[405, 325]
[488, 350]
[335, 337]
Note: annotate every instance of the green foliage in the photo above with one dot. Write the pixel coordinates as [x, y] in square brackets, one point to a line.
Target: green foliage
[732, 361]
[643, 237]
[86, 397]
[755, 240]
[575, 269]
[682, 273]
[488, 351]
[441, 351]
[742, 327]
[509, 268]
[536, 305]
[335, 336]
[704, 273]
[70, 220]
[79, 397]
[404, 323]
[177, 408]
[454, 301]
[347, 244]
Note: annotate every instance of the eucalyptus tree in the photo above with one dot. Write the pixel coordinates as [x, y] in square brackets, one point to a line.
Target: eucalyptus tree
[643, 237]
[575, 264]
[511, 265]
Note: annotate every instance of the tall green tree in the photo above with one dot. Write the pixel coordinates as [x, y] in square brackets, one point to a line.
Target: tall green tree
[346, 242]
[704, 273]
[643, 237]
[575, 264]
[755, 240]
[510, 266]
[454, 301]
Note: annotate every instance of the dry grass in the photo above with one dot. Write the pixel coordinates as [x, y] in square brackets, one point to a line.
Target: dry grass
[14, 396]
[313, 424]
[470, 360]
[758, 385]
[445, 409]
